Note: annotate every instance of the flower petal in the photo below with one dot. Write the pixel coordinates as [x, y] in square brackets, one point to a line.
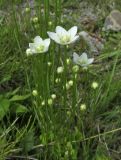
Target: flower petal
[84, 56]
[38, 40]
[73, 31]
[46, 44]
[60, 30]
[75, 57]
[54, 37]
[90, 60]
[74, 39]
[32, 47]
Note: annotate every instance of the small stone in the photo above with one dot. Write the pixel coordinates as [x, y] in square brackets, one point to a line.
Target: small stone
[113, 21]
[94, 43]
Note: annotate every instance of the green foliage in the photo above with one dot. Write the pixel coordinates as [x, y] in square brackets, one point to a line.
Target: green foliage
[27, 142]
[4, 107]
[81, 122]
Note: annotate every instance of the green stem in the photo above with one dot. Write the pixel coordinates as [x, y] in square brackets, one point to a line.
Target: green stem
[65, 77]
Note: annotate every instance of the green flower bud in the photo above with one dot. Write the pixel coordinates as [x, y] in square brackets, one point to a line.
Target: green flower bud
[70, 83]
[94, 85]
[49, 64]
[50, 23]
[35, 19]
[60, 70]
[28, 52]
[57, 80]
[75, 69]
[69, 113]
[43, 103]
[27, 9]
[34, 93]
[50, 101]
[83, 107]
[68, 61]
[53, 96]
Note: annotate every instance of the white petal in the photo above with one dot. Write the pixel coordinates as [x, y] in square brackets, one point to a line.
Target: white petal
[73, 31]
[75, 57]
[38, 40]
[47, 42]
[60, 30]
[74, 39]
[84, 56]
[32, 47]
[90, 60]
[54, 37]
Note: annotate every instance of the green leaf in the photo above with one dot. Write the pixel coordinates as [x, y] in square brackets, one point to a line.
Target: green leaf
[18, 108]
[19, 97]
[4, 107]
[5, 79]
[28, 141]
[12, 93]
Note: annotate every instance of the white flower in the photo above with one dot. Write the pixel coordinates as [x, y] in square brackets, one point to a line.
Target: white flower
[82, 60]
[63, 37]
[39, 45]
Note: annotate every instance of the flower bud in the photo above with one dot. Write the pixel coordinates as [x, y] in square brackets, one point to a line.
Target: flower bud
[50, 101]
[50, 23]
[35, 19]
[67, 86]
[53, 96]
[36, 26]
[57, 80]
[27, 9]
[28, 52]
[69, 113]
[94, 85]
[70, 83]
[68, 61]
[43, 103]
[83, 107]
[34, 93]
[75, 69]
[60, 70]
[49, 64]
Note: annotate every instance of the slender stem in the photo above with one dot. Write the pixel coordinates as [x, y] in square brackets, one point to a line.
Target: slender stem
[65, 76]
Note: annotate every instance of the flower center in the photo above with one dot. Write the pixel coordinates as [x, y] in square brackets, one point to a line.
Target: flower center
[83, 61]
[40, 48]
[65, 39]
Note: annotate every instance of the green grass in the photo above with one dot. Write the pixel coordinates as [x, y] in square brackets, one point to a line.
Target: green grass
[39, 127]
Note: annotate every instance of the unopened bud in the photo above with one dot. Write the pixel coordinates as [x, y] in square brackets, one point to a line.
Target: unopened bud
[70, 83]
[35, 19]
[75, 69]
[34, 93]
[68, 61]
[94, 85]
[83, 107]
[60, 70]
[49, 64]
[27, 9]
[53, 96]
[50, 23]
[28, 52]
[50, 101]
